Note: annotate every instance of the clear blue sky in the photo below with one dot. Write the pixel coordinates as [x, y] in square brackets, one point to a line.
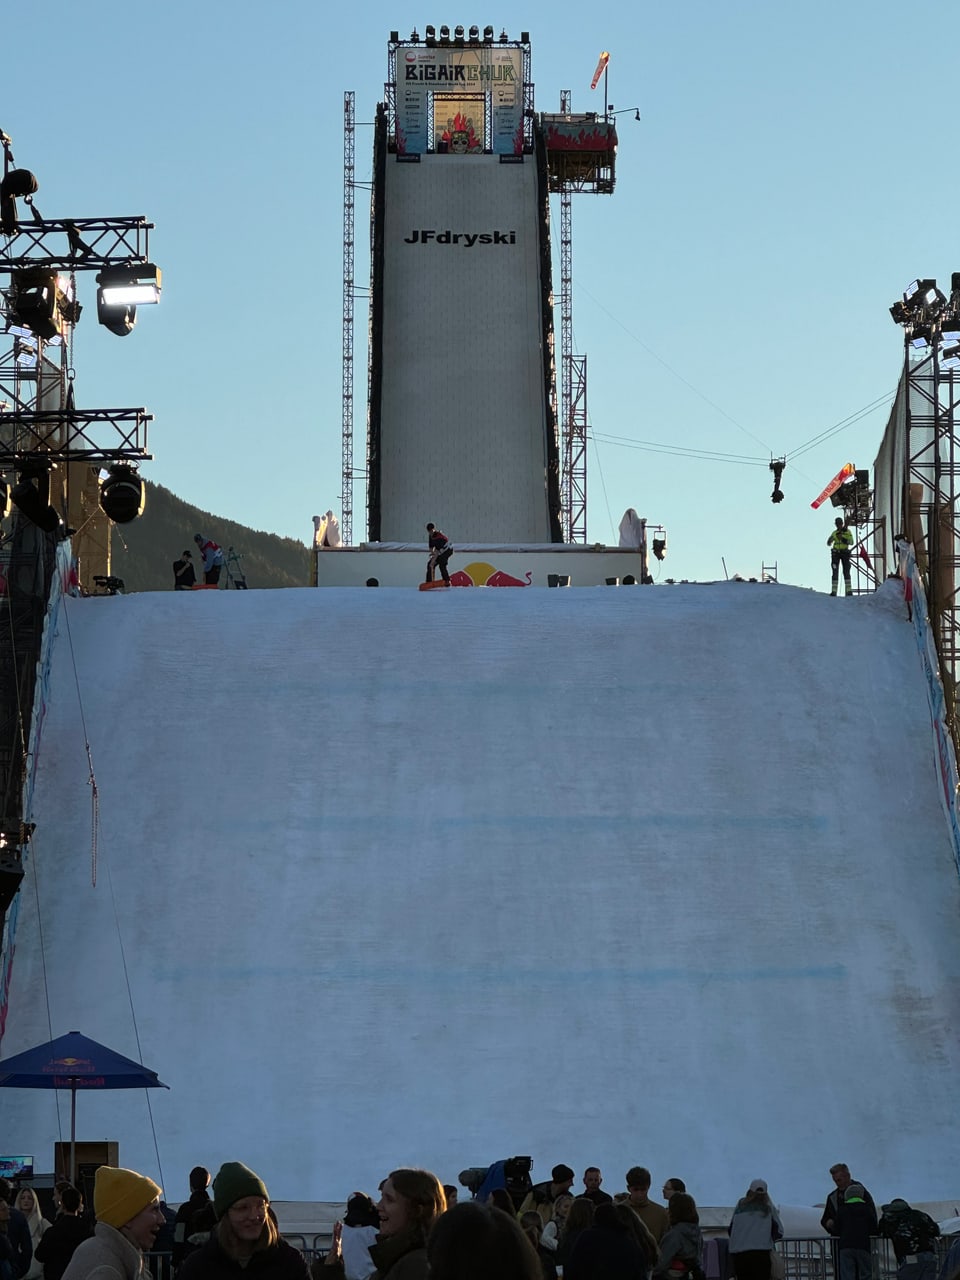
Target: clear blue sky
[789, 176]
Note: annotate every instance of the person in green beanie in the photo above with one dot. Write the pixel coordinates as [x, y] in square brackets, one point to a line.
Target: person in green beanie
[245, 1240]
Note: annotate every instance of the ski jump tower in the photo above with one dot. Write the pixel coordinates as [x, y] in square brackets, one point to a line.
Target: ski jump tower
[462, 421]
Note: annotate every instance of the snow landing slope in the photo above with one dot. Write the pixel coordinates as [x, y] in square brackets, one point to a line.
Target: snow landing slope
[603, 876]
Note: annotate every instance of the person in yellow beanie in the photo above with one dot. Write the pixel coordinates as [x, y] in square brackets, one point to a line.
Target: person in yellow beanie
[246, 1240]
[127, 1208]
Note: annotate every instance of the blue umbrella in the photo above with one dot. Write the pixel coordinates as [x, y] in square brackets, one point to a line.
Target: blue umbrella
[75, 1062]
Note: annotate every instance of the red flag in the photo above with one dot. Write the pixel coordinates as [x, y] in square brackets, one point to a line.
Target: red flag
[601, 67]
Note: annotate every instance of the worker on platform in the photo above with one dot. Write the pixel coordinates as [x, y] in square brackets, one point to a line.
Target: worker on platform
[840, 543]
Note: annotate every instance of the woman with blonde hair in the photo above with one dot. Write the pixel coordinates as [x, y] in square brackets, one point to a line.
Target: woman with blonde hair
[754, 1229]
[29, 1206]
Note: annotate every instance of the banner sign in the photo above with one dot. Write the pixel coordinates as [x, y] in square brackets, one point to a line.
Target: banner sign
[466, 82]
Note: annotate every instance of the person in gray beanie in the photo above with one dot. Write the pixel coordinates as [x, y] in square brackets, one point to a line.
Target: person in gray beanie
[245, 1241]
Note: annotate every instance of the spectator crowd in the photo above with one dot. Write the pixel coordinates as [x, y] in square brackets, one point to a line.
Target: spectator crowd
[417, 1230]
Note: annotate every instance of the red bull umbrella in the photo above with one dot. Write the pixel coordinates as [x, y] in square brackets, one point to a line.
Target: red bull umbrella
[75, 1062]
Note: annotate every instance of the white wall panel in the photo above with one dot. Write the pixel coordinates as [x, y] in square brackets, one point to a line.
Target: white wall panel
[463, 435]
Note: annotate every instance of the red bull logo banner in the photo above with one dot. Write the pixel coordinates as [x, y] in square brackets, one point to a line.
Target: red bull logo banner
[459, 90]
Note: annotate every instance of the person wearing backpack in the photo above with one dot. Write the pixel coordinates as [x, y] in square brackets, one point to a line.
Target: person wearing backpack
[682, 1245]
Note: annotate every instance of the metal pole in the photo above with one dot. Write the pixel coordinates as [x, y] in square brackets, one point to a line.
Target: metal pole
[73, 1131]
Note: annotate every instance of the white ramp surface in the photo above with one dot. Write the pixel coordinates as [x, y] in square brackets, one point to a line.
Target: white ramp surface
[605, 876]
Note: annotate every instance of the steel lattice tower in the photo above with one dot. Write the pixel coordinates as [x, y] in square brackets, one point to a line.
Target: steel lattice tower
[349, 128]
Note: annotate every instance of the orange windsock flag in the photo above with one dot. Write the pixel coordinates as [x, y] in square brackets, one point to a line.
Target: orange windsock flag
[601, 67]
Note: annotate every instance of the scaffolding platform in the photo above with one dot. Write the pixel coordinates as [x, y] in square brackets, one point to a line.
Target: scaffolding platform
[581, 152]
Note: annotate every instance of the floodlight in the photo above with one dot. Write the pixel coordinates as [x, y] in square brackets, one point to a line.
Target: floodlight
[922, 293]
[899, 313]
[950, 358]
[910, 291]
[34, 301]
[122, 494]
[31, 496]
[950, 330]
[5, 504]
[136, 285]
[920, 336]
[488, 34]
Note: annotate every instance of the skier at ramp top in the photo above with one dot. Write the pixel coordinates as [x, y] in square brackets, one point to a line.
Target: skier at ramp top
[441, 549]
[212, 559]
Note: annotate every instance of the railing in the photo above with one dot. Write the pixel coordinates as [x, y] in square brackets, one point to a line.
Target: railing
[814, 1259]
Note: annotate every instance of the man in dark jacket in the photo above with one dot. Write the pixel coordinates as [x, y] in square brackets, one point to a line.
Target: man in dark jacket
[18, 1233]
[195, 1217]
[61, 1239]
[912, 1234]
[842, 1179]
[541, 1196]
[184, 574]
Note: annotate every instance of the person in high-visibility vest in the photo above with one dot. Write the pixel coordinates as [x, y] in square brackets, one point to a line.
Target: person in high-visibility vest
[840, 543]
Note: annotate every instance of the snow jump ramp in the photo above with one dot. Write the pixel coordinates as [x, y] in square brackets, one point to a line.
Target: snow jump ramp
[608, 877]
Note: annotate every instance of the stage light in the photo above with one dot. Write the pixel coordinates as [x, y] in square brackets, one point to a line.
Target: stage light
[444, 32]
[503, 35]
[119, 320]
[920, 336]
[660, 544]
[121, 289]
[136, 285]
[34, 301]
[122, 494]
[458, 33]
[415, 35]
[899, 313]
[6, 505]
[524, 37]
[488, 34]
[394, 37]
[922, 293]
[430, 32]
[31, 496]
[474, 34]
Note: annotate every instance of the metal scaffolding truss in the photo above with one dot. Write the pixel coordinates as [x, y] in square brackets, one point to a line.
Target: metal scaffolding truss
[67, 435]
[91, 243]
[931, 501]
[349, 145]
[573, 397]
